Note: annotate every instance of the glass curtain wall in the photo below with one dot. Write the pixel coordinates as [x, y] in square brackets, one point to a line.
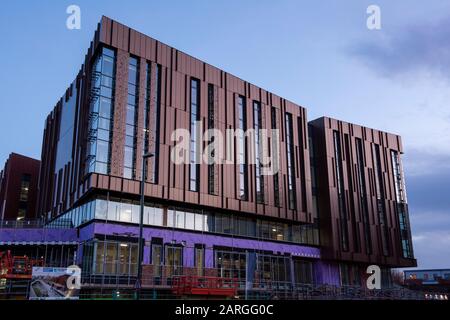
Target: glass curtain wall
[129, 161]
[101, 110]
[154, 215]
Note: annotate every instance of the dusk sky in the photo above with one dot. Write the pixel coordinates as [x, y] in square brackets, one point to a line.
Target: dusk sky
[396, 79]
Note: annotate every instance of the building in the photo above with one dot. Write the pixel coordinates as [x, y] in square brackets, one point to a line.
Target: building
[364, 216]
[18, 188]
[227, 221]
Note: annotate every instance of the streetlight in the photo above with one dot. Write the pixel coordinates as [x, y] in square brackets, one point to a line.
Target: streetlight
[145, 156]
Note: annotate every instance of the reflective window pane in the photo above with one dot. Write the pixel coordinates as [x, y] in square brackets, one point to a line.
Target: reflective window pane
[102, 151]
[190, 221]
[105, 108]
[108, 66]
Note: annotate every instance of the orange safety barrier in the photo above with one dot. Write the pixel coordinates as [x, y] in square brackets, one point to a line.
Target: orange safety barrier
[201, 285]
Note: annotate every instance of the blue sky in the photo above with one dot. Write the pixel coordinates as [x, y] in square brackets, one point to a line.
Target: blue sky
[319, 54]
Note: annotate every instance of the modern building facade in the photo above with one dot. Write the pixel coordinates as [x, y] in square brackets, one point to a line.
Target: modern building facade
[363, 205]
[318, 220]
[18, 188]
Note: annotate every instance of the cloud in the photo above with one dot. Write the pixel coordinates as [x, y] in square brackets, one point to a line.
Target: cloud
[423, 48]
[425, 162]
[429, 209]
[429, 190]
[429, 222]
[432, 249]
[429, 202]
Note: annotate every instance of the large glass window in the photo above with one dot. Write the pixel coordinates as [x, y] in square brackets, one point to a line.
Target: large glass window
[363, 194]
[351, 200]
[275, 151]
[211, 117]
[401, 205]
[24, 187]
[108, 64]
[313, 170]
[381, 208]
[129, 212]
[350, 274]
[129, 163]
[101, 102]
[340, 191]
[174, 260]
[200, 259]
[151, 122]
[230, 264]
[157, 258]
[154, 216]
[242, 149]
[190, 220]
[257, 120]
[194, 167]
[290, 163]
[23, 196]
[303, 271]
[273, 269]
[113, 257]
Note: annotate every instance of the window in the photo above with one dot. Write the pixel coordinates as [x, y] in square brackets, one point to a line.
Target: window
[129, 170]
[102, 150]
[401, 205]
[227, 227]
[200, 259]
[190, 220]
[128, 160]
[273, 269]
[157, 257]
[108, 65]
[103, 134]
[351, 201]
[211, 117]
[174, 260]
[151, 122]
[363, 195]
[214, 222]
[147, 114]
[101, 110]
[303, 271]
[380, 199]
[340, 191]
[315, 199]
[257, 118]
[275, 152]
[242, 145]
[124, 257]
[155, 216]
[194, 169]
[179, 219]
[290, 162]
[115, 258]
[400, 194]
[350, 275]
[105, 108]
[230, 264]
[25, 187]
